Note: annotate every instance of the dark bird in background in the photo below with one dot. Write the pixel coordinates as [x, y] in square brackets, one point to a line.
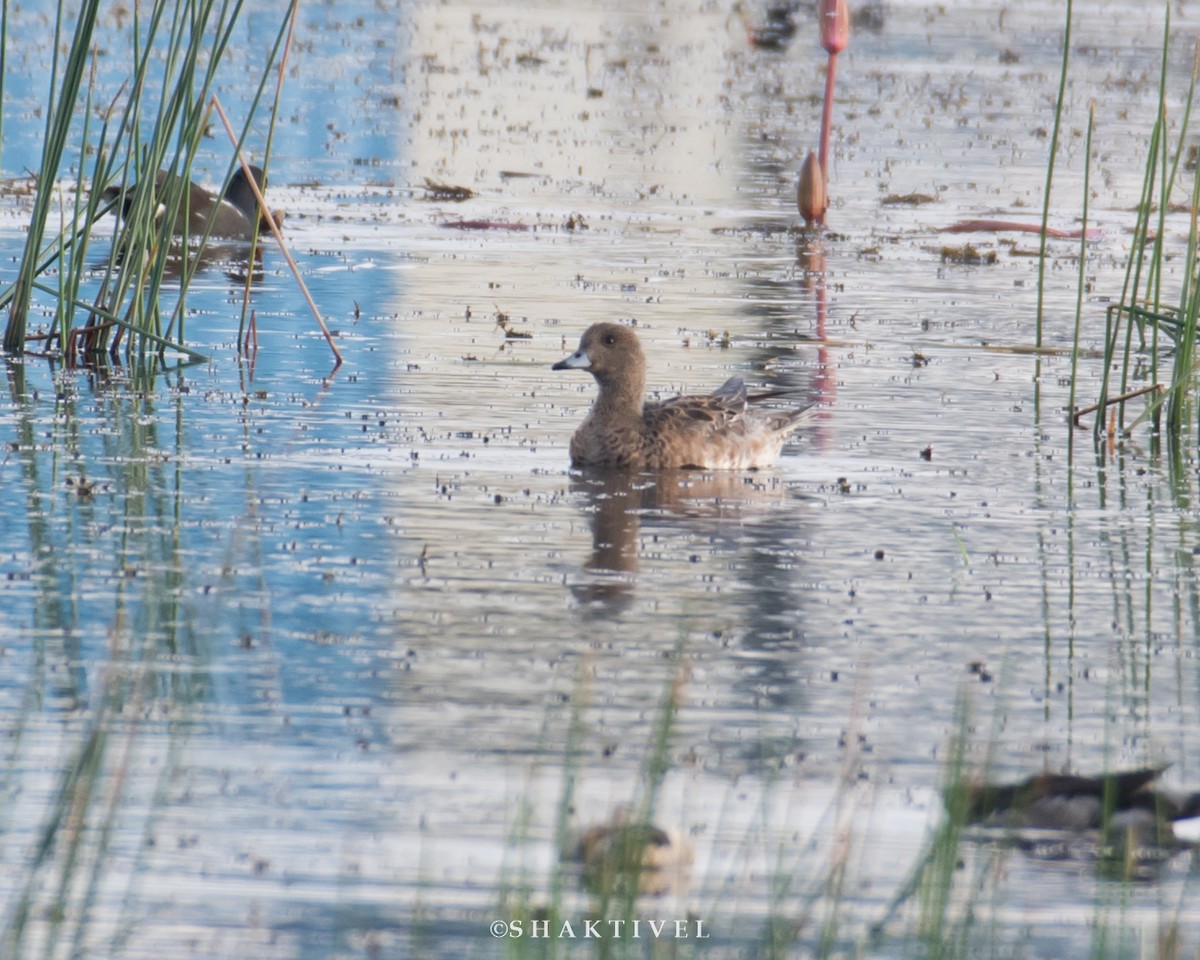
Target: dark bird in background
[234, 213]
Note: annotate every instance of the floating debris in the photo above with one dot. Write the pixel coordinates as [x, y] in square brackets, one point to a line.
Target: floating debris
[777, 29]
[447, 191]
[969, 255]
[484, 225]
[908, 199]
[504, 322]
[1001, 226]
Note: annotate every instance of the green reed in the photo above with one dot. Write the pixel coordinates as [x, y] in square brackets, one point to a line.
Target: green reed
[1145, 322]
[155, 122]
[283, 44]
[1058, 108]
[1180, 390]
[59, 115]
[1087, 170]
[932, 878]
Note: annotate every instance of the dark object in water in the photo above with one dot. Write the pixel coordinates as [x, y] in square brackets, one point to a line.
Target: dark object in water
[484, 225]
[1124, 801]
[778, 27]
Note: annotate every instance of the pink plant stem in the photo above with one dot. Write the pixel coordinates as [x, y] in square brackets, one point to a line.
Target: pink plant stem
[827, 117]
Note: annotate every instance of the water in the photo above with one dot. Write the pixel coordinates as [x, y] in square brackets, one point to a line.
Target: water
[326, 632]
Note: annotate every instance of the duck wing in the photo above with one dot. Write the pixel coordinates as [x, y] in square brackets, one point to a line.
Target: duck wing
[720, 410]
[730, 410]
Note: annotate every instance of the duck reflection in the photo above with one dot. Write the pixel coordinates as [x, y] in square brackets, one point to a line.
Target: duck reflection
[620, 502]
[237, 260]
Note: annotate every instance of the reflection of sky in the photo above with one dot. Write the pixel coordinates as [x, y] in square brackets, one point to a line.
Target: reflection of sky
[338, 124]
[269, 581]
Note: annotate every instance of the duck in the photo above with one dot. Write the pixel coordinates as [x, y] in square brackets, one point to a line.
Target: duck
[622, 849]
[1126, 802]
[624, 431]
[234, 212]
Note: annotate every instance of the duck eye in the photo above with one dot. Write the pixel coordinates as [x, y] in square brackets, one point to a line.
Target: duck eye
[609, 340]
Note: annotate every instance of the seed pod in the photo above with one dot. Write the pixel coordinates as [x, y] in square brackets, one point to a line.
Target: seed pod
[811, 198]
[835, 25]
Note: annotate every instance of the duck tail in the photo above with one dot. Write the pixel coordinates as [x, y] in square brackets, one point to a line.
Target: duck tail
[801, 416]
[1188, 807]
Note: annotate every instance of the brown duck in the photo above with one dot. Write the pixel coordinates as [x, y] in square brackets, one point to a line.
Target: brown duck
[234, 212]
[625, 854]
[718, 431]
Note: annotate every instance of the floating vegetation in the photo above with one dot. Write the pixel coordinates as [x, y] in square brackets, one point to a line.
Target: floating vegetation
[504, 322]
[484, 225]
[447, 191]
[968, 255]
[908, 199]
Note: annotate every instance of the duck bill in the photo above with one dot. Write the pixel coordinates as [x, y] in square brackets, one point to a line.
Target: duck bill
[579, 360]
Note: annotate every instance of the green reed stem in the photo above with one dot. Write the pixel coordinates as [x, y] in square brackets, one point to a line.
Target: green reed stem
[1183, 371]
[282, 43]
[180, 116]
[1124, 313]
[74, 267]
[58, 125]
[1133, 273]
[162, 342]
[286, 40]
[190, 109]
[1153, 295]
[1058, 108]
[1087, 168]
[1189, 275]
